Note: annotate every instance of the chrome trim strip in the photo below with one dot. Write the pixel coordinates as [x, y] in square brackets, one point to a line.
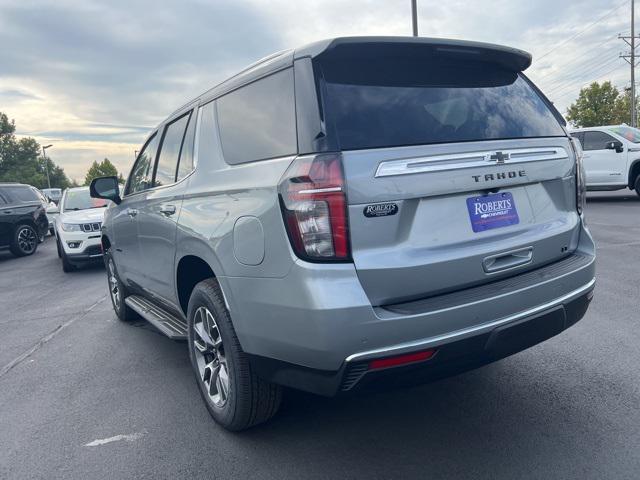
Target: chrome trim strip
[321, 190]
[477, 329]
[456, 161]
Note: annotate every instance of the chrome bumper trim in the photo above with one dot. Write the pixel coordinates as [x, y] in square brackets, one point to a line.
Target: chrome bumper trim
[467, 332]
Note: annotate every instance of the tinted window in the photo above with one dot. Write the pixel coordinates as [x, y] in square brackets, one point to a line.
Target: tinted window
[3, 200]
[393, 102]
[257, 121]
[185, 165]
[140, 177]
[596, 140]
[23, 194]
[579, 137]
[170, 151]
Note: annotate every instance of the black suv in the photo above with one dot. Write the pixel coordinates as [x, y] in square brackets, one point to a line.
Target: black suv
[23, 219]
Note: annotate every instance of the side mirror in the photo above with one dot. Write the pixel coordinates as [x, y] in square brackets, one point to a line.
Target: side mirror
[106, 188]
[53, 209]
[615, 145]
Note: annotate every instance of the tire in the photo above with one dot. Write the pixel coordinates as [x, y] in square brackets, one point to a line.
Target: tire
[25, 240]
[117, 292]
[214, 350]
[67, 266]
[52, 232]
[58, 248]
[637, 185]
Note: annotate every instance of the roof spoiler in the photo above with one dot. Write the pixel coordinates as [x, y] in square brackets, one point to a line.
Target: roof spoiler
[346, 47]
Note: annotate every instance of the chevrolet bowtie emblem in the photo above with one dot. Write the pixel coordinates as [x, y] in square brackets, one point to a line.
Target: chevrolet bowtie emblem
[499, 157]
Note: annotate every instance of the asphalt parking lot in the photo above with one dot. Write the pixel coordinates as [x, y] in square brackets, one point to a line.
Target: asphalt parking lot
[84, 396]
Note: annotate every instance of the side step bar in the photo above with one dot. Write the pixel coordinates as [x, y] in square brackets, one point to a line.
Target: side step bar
[170, 325]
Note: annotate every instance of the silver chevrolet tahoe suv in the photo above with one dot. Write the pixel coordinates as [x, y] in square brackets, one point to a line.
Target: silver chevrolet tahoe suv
[352, 213]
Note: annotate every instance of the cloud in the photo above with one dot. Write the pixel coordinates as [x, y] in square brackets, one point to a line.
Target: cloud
[97, 76]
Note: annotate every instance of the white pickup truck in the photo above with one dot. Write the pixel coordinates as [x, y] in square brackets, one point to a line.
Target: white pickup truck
[611, 156]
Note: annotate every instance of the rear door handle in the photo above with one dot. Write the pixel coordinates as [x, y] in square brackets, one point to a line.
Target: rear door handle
[168, 209]
[132, 212]
[8, 212]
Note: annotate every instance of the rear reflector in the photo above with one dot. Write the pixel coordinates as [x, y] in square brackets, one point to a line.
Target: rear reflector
[401, 359]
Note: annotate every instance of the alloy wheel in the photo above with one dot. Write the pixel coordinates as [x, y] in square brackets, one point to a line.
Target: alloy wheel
[114, 290]
[210, 357]
[27, 240]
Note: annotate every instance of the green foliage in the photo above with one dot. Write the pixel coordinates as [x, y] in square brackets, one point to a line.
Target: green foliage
[102, 169]
[20, 160]
[600, 104]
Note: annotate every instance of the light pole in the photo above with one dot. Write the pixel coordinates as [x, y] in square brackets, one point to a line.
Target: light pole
[414, 17]
[46, 164]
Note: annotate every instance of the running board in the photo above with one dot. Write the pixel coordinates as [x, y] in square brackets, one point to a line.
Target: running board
[170, 325]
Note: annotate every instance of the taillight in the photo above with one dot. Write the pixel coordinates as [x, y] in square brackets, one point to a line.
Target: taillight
[581, 181]
[314, 206]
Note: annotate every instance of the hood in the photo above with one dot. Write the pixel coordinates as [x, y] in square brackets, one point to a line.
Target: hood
[83, 216]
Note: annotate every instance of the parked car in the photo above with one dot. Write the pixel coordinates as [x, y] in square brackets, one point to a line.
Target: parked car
[52, 213]
[78, 228]
[23, 221]
[413, 208]
[611, 157]
[55, 194]
[50, 209]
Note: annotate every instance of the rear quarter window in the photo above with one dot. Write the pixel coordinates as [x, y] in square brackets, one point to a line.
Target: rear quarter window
[395, 102]
[257, 121]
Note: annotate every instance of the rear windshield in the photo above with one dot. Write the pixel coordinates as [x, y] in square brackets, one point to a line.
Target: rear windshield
[396, 102]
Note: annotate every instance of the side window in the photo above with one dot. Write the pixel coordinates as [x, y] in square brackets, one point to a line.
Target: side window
[140, 177]
[185, 164]
[3, 198]
[257, 121]
[23, 194]
[170, 151]
[596, 140]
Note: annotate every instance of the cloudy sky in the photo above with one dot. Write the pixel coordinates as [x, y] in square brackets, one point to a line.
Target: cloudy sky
[93, 77]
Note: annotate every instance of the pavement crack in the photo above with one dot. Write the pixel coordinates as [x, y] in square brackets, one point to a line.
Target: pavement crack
[40, 343]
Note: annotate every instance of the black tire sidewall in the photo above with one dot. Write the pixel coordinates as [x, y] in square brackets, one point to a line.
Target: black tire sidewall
[202, 296]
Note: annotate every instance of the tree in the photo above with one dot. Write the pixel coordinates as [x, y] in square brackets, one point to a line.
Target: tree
[20, 160]
[102, 169]
[600, 104]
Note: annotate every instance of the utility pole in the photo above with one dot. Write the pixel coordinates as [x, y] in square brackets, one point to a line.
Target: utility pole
[414, 17]
[46, 163]
[631, 59]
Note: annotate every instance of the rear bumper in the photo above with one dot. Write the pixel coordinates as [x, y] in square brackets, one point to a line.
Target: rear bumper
[456, 355]
[319, 320]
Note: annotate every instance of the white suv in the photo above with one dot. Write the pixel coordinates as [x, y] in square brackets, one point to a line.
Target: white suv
[78, 228]
[611, 157]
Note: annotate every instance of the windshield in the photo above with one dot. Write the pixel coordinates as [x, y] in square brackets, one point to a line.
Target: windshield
[392, 102]
[80, 200]
[630, 133]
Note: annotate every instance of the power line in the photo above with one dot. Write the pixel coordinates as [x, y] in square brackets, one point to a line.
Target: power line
[589, 51]
[583, 30]
[579, 72]
[571, 92]
[585, 73]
